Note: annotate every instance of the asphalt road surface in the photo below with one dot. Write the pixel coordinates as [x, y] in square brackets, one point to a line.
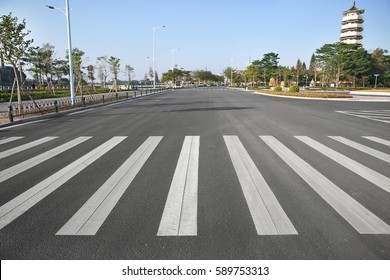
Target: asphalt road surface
[207, 173]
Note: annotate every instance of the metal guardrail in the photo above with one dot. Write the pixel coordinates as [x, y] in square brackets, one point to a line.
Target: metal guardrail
[55, 105]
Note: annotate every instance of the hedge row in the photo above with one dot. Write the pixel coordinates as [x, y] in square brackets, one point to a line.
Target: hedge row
[43, 94]
[310, 94]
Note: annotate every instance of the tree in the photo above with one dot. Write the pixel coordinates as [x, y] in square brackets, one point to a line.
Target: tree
[252, 71]
[129, 70]
[46, 53]
[146, 79]
[151, 73]
[102, 62]
[268, 65]
[380, 64]
[314, 67]
[14, 45]
[205, 76]
[77, 56]
[114, 66]
[174, 76]
[33, 57]
[60, 68]
[333, 58]
[91, 75]
[286, 73]
[358, 64]
[299, 68]
[229, 73]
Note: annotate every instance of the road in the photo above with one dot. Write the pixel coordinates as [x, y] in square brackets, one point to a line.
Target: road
[207, 173]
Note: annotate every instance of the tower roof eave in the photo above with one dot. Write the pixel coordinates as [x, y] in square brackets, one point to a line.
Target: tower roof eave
[354, 9]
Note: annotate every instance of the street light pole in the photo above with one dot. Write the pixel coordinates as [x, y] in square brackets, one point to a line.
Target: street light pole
[71, 76]
[72, 93]
[376, 78]
[154, 57]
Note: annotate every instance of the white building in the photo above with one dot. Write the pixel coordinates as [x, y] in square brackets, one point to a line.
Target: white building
[352, 26]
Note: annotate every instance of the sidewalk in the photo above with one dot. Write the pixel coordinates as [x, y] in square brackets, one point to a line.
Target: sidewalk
[4, 105]
[371, 93]
[368, 96]
[129, 96]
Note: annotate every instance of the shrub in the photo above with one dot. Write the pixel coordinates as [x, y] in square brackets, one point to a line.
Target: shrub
[294, 89]
[278, 89]
[310, 94]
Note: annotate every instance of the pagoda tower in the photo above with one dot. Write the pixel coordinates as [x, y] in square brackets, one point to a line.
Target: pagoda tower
[352, 26]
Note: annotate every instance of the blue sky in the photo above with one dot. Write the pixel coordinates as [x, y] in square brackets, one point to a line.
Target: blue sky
[207, 32]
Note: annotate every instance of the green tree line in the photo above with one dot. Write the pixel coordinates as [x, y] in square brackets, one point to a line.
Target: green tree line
[341, 64]
[49, 71]
[176, 76]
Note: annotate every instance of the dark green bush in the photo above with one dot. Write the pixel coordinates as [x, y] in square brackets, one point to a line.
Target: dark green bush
[278, 89]
[294, 89]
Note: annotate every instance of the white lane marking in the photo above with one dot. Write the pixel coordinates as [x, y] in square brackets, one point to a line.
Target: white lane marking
[94, 212]
[267, 214]
[380, 117]
[365, 116]
[25, 165]
[80, 112]
[363, 220]
[378, 140]
[180, 211]
[20, 204]
[26, 146]
[361, 170]
[372, 113]
[10, 139]
[22, 124]
[362, 148]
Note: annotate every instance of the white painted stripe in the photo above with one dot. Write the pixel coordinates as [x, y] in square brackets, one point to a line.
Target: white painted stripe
[361, 170]
[80, 112]
[94, 212]
[372, 113]
[267, 214]
[362, 148]
[25, 165]
[369, 117]
[10, 139]
[378, 140]
[26, 146]
[353, 212]
[22, 124]
[20, 204]
[379, 111]
[180, 212]
[381, 117]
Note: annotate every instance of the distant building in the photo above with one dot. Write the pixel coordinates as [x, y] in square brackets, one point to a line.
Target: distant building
[352, 26]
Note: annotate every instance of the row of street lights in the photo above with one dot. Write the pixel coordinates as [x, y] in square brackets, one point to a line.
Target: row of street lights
[65, 11]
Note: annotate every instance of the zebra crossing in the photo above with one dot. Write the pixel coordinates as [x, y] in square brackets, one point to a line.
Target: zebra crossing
[180, 214]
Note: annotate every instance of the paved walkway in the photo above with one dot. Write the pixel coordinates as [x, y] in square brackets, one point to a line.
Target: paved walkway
[371, 93]
[4, 105]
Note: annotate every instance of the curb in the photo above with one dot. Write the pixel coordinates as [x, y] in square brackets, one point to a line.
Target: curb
[353, 99]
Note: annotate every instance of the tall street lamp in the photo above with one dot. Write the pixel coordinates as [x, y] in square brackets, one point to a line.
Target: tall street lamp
[376, 78]
[154, 57]
[173, 50]
[66, 13]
